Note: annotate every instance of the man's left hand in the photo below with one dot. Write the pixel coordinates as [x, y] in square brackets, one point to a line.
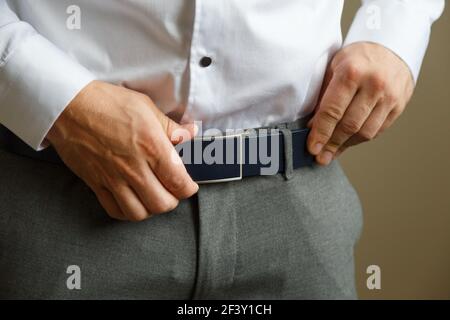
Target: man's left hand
[366, 88]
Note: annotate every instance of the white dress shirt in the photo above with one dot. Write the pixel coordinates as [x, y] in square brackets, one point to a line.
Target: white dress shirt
[268, 57]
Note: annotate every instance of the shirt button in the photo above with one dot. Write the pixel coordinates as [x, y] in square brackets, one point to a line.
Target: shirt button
[205, 62]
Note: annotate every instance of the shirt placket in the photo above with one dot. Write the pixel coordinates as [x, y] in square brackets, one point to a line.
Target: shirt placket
[201, 59]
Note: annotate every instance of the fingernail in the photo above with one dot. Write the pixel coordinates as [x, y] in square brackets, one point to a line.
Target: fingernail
[317, 148]
[326, 157]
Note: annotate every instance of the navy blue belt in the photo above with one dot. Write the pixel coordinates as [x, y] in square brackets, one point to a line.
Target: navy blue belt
[218, 158]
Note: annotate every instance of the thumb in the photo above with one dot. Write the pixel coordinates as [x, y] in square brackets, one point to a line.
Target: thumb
[177, 133]
[181, 133]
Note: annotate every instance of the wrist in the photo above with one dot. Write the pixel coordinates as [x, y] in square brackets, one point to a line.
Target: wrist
[61, 126]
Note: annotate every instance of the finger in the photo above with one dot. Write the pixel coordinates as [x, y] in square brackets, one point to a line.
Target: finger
[371, 128]
[175, 131]
[108, 203]
[171, 172]
[166, 163]
[129, 203]
[152, 193]
[168, 167]
[335, 101]
[373, 124]
[326, 81]
[183, 133]
[390, 119]
[353, 141]
[352, 121]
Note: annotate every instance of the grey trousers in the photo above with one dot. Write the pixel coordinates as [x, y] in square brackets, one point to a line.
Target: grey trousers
[260, 238]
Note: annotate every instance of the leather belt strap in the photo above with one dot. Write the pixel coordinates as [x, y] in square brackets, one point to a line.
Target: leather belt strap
[215, 159]
[251, 155]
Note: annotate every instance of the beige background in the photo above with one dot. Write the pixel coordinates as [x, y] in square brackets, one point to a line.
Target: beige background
[403, 179]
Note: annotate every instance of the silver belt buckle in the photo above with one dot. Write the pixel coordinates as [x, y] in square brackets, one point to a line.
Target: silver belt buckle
[240, 148]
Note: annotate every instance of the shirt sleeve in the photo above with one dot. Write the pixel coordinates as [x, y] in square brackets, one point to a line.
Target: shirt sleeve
[37, 80]
[402, 26]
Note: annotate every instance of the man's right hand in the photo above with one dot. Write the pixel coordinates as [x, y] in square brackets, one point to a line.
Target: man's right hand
[119, 143]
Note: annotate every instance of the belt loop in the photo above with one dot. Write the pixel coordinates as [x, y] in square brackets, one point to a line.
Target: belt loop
[288, 161]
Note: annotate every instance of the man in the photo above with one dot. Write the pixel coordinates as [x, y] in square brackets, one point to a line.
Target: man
[110, 85]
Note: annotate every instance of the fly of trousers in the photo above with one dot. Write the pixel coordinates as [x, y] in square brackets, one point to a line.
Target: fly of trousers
[260, 238]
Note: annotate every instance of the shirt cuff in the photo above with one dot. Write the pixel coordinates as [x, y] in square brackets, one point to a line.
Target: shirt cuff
[37, 82]
[397, 25]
